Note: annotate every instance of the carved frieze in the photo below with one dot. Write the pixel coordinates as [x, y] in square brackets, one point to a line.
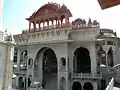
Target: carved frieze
[42, 34]
[47, 33]
[58, 33]
[52, 33]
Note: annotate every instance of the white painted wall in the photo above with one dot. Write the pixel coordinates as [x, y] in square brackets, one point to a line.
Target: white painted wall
[3, 48]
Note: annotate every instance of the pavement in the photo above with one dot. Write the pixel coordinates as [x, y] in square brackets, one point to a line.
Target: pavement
[116, 88]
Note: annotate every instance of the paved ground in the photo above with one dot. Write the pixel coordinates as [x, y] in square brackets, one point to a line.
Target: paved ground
[116, 86]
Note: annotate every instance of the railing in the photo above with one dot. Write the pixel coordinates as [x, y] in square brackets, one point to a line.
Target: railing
[87, 75]
[16, 71]
[110, 85]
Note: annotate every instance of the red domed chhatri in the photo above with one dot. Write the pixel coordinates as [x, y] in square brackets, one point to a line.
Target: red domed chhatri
[51, 14]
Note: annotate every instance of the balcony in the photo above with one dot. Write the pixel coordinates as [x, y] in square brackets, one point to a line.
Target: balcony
[20, 70]
[87, 76]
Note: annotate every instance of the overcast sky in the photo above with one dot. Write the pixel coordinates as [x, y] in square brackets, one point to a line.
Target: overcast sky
[15, 12]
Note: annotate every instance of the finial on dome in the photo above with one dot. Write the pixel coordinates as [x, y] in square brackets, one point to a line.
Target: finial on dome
[89, 21]
[6, 30]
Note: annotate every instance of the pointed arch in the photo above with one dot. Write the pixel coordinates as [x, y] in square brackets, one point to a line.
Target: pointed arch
[101, 56]
[110, 57]
[45, 66]
[82, 62]
[76, 86]
[88, 86]
[23, 59]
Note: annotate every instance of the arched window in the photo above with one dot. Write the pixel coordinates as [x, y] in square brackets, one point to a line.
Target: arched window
[63, 60]
[88, 86]
[110, 57]
[76, 86]
[30, 61]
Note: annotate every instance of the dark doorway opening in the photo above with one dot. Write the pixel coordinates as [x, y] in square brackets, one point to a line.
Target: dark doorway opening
[49, 69]
[29, 82]
[82, 63]
[88, 86]
[21, 83]
[110, 57]
[103, 83]
[76, 86]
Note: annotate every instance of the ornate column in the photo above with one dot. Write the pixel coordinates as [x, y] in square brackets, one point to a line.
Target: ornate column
[43, 25]
[34, 26]
[52, 23]
[56, 23]
[39, 26]
[29, 26]
[18, 59]
[48, 24]
[66, 19]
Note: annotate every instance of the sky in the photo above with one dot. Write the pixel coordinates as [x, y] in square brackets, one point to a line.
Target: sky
[15, 12]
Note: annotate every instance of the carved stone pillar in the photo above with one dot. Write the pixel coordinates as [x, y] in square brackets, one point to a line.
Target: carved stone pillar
[43, 25]
[34, 26]
[52, 22]
[29, 26]
[56, 23]
[39, 26]
[66, 19]
[18, 59]
[48, 24]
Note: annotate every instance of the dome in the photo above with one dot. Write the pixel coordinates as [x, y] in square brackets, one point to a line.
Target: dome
[63, 7]
[95, 22]
[89, 21]
[84, 22]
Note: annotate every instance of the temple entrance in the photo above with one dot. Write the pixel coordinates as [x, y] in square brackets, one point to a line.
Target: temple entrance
[49, 68]
[76, 86]
[88, 86]
[82, 63]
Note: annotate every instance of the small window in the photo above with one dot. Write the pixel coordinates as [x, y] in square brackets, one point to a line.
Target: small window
[30, 61]
[63, 60]
[109, 43]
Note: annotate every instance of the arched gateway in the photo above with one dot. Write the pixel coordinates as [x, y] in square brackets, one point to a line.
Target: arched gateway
[82, 62]
[46, 68]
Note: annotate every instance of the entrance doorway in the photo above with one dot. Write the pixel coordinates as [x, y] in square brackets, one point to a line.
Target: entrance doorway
[49, 68]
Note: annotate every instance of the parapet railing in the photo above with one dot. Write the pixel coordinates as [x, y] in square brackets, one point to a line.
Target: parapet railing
[87, 75]
[110, 85]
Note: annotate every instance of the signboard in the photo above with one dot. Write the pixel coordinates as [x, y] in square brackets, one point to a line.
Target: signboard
[108, 3]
